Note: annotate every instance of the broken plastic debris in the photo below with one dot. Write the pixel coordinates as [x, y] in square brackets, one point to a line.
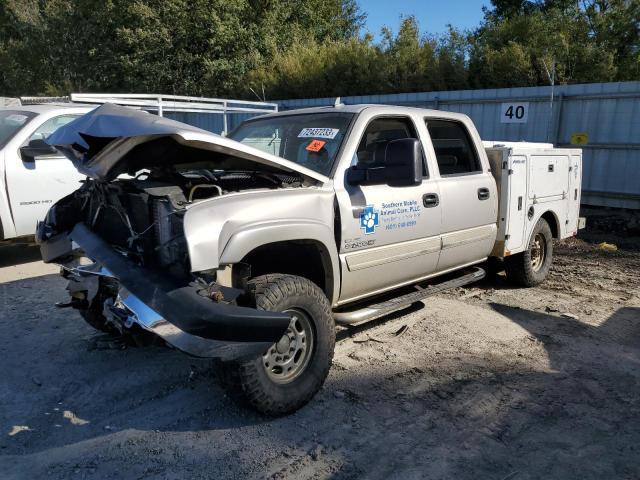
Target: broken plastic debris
[73, 418]
[401, 330]
[19, 428]
[607, 247]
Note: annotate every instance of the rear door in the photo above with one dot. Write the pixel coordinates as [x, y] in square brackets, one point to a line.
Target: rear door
[467, 192]
[34, 185]
[389, 235]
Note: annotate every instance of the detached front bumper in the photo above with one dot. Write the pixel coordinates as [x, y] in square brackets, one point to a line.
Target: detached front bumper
[176, 312]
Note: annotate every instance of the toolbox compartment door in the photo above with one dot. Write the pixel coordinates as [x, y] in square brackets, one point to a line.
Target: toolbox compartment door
[516, 205]
[548, 178]
[575, 187]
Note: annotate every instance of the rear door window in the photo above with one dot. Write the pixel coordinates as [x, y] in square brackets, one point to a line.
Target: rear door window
[455, 152]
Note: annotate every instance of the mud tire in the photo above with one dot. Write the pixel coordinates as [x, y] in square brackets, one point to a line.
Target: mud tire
[523, 268]
[280, 292]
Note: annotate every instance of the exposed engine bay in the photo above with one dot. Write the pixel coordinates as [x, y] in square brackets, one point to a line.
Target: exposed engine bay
[120, 238]
[140, 221]
[142, 217]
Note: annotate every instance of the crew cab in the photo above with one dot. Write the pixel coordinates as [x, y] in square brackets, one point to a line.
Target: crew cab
[33, 175]
[251, 248]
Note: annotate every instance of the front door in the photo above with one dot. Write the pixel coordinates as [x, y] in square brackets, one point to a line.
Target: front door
[389, 235]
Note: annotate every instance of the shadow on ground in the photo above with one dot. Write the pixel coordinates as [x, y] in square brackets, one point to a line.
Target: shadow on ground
[470, 417]
[71, 410]
[18, 254]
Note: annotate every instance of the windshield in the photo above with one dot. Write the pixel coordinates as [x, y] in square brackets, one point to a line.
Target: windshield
[11, 121]
[311, 140]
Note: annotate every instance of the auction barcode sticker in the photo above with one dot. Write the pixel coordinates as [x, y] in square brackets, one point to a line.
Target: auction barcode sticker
[318, 133]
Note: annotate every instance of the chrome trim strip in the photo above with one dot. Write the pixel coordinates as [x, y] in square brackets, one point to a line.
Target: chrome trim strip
[92, 269]
[470, 235]
[151, 321]
[373, 257]
[139, 313]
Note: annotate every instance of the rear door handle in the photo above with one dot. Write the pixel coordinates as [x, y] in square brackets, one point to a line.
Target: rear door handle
[430, 200]
[483, 193]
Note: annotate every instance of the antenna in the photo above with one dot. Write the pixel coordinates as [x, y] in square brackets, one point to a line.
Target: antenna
[551, 75]
[338, 102]
[254, 92]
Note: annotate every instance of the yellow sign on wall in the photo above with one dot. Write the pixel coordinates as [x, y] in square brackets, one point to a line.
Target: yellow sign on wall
[579, 138]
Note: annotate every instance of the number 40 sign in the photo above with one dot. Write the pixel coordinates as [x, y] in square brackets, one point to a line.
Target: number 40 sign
[514, 112]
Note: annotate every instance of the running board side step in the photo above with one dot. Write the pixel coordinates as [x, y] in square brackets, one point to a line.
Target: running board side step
[376, 310]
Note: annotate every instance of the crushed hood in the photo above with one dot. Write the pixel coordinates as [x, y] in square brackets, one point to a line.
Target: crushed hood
[112, 140]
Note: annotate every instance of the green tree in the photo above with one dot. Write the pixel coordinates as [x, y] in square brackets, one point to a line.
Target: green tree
[296, 48]
[410, 59]
[520, 42]
[452, 51]
[405, 61]
[19, 22]
[195, 47]
[330, 68]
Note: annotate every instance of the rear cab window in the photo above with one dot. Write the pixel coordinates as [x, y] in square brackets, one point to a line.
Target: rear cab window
[454, 148]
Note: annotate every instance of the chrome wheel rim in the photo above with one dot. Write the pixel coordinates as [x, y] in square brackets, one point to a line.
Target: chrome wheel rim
[538, 252]
[286, 359]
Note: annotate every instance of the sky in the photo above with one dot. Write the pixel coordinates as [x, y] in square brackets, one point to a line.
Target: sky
[433, 15]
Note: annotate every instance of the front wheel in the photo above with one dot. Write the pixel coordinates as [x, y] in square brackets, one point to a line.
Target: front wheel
[294, 368]
[531, 267]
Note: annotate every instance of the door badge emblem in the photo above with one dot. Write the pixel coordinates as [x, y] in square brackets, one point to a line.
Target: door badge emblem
[369, 220]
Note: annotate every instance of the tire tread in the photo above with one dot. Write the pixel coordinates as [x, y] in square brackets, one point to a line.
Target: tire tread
[518, 267]
[266, 292]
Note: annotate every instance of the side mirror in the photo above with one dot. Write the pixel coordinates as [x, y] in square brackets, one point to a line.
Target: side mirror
[36, 148]
[402, 166]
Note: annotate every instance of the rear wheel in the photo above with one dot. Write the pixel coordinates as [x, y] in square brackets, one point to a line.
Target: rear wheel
[531, 267]
[294, 368]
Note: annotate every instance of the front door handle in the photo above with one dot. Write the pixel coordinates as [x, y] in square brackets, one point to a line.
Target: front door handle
[483, 193]
[430, 200]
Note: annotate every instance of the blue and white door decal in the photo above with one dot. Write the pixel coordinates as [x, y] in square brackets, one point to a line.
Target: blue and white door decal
[369, 220]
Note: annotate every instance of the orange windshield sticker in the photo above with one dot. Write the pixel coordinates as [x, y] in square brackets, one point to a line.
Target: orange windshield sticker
[315, 145]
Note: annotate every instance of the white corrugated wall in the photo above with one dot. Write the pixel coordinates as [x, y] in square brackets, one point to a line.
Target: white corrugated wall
[609, 113]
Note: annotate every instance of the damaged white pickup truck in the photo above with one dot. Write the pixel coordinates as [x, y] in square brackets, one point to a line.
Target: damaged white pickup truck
[250, 249]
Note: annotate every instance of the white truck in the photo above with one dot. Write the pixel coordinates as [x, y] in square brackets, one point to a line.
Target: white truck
[33, 175]
[251, 248]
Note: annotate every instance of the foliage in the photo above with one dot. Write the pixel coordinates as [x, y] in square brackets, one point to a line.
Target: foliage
[519, 43]
[304, 48]
[194, 47]
[522, 43]
[402, 62]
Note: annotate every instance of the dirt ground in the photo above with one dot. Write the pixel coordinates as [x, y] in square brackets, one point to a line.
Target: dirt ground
[489, 382]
